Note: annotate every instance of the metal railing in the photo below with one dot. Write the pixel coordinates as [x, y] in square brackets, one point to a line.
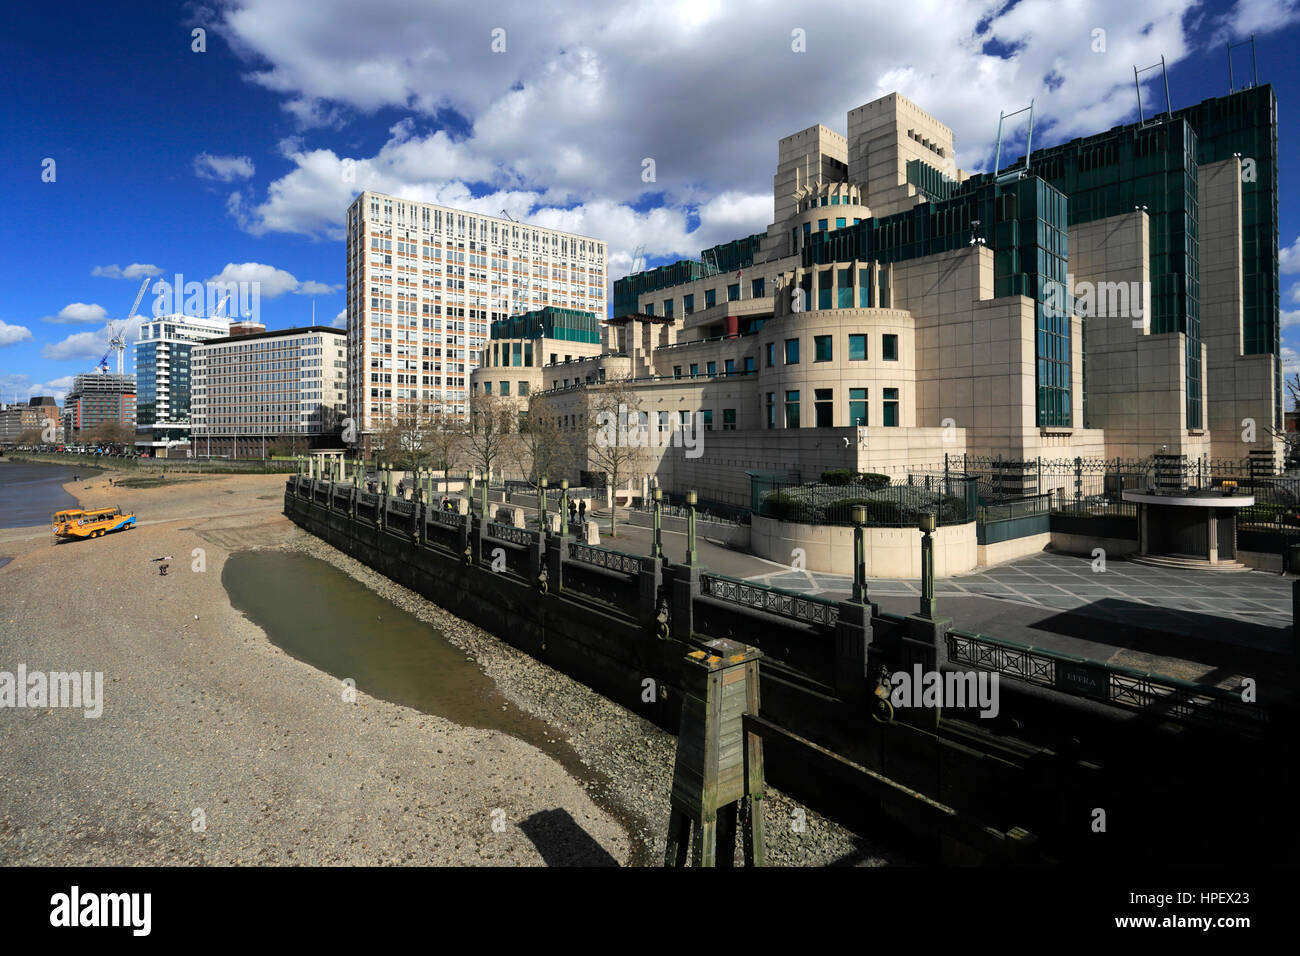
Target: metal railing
[787, 604]
[607, 558]
[509, 533]
[1113, 684]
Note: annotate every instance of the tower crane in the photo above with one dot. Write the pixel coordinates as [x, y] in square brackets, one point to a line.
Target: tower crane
[117, 332]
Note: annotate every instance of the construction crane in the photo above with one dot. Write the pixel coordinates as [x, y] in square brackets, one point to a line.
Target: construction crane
[117, 332]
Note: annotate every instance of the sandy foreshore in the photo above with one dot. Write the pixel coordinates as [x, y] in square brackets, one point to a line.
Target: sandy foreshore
[205, 719]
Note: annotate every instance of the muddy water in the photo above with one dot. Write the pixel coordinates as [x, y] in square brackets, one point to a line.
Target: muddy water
[318, 614]
[30, 493]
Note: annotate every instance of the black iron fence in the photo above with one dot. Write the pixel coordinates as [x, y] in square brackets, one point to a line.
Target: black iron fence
[888, 503]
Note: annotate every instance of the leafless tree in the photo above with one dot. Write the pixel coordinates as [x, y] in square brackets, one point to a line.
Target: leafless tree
[491, 434]
[617, 434]
[541, 448]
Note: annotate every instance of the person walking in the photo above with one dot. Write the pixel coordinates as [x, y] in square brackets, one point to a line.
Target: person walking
[573, 512]
[582, 511]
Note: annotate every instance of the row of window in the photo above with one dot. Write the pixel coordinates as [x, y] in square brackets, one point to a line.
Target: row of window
[824, 408]
[823, 349]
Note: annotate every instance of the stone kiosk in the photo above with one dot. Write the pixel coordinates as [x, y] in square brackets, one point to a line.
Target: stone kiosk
[1189, 527]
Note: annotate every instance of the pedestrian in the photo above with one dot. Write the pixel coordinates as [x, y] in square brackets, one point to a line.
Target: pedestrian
[573, 512]
[582, 511]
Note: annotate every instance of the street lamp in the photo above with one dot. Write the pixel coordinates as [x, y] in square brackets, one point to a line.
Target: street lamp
[859, 555]
[927, 525]
[691, 499]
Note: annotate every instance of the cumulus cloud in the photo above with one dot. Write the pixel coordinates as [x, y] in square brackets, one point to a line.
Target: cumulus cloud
[340, 320]
[13, 334]
[21, 387]
[75, 312]
[271, 281]
[1288, 258]
[311, 287]
[224, 169]
[91, 345]
[556, 128]
[1257, 16]
[135, 270]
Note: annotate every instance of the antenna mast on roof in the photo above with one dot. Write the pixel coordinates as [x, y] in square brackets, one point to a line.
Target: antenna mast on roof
[1254, 67]
[1019, 172]
[1164, 70]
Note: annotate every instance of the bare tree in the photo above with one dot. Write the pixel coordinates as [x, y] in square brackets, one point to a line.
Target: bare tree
[617, 434]
[447, 438]
[541, 448]
[408, 439]
[491, 434]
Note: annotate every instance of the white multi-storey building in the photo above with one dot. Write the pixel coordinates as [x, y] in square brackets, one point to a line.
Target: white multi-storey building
[257, 391]
[424, 284]
[164, 376]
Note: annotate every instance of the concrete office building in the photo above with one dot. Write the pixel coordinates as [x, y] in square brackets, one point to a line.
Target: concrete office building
[256, 392]
[30, 420]
[425, 282]
[898, 309]
[164, 377]
[99, 398]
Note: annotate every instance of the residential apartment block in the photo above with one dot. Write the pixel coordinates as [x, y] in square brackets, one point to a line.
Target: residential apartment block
[164, 376]
[99, 398]
[424, 285]
[257, 392]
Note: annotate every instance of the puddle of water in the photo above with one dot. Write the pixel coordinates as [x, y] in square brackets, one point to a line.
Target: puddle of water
[315, 612]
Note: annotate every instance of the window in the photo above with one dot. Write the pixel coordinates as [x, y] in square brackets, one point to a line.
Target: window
[857, 348]
[839, 223]
[711, 369]
[677, 371]
[710, 298]
[730, 367]
[523, 388]
[728, 419]
[688, 304]
[566, 383]
[505, 388]
[792, 409]
[487, 388]
[553, 357]
[528, 354]
[668, 307]
[758, 288]
[771, 409]
[683, 419]
[821, 348]
[891, 407]
[733, 292]
[749, 364]
[695, 369]
[821, 225]
[649, 308]
[835, 199]
[791, 351]
[889, 348]
[771, 354]
[824, 407]
[858, 406]
[708, 419]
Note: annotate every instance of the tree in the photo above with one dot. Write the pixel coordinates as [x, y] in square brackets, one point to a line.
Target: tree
[617, 434]
[491, 435]
[446, 437]
[110, 433]
[407, 440]
[541, 448]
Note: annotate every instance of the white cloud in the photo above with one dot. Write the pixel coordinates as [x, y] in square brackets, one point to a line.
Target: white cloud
[1290, 361]
[224, 169]
[1288, 258]
[1289, 318]
[1257, 16]
[135, 270]
[311, 287]
[271, 281]
[91, 345]
[13, 334]
[20, 387]
[340, 320]
[559, 124]
[79, 312]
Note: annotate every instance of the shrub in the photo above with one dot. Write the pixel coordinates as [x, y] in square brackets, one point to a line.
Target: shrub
[783, 506]
[837, 476]
[871, 481]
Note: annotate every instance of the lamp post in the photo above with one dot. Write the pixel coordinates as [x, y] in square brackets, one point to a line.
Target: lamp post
[658, 496]
[541, 501]
[859, 555]
[927, 525]
[564, 505]
[691, 499]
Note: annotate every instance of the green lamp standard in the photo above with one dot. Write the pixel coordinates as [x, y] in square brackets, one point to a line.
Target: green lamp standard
[564, 505]
[691, 499]
[658, 551]
[541, 501]
[927, 525]
[859, 555]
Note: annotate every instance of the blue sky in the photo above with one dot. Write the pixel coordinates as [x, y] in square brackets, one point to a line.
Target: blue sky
[239, 161]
